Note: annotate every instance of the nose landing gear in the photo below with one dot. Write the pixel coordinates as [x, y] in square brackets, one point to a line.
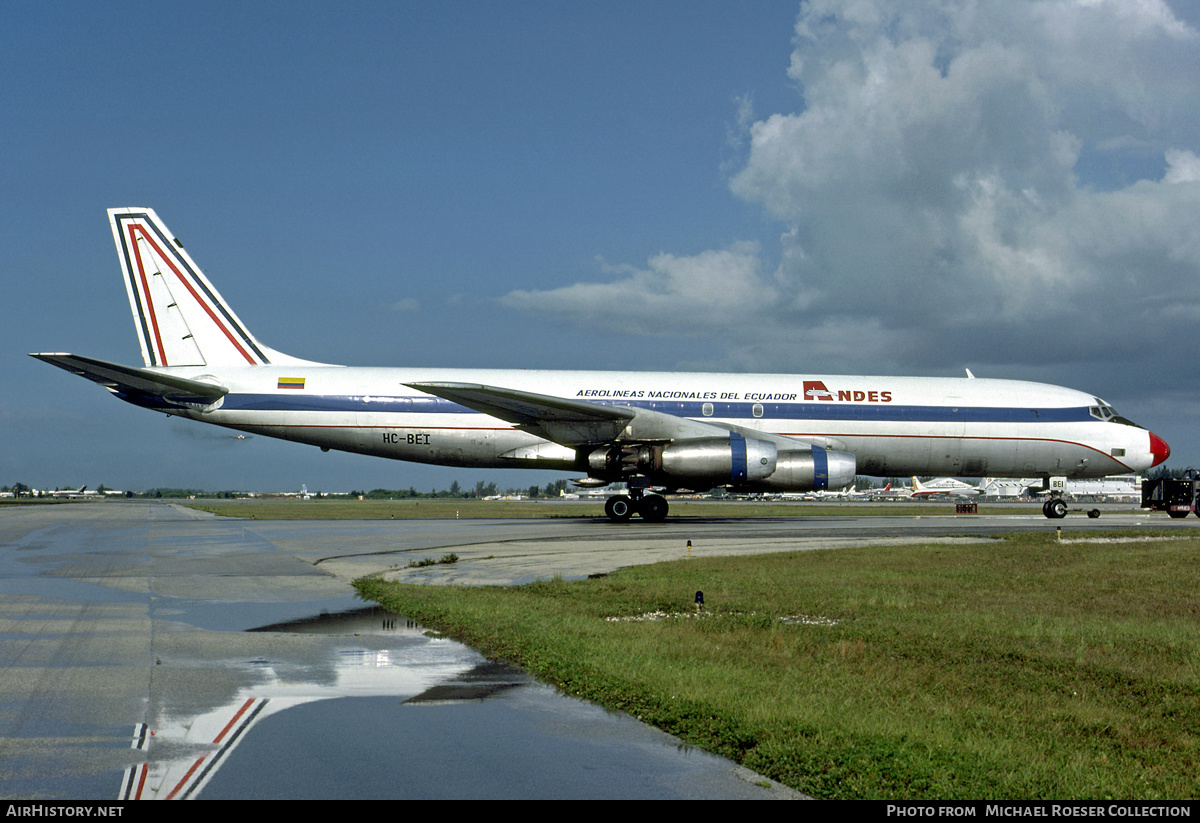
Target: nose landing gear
[1056, 509]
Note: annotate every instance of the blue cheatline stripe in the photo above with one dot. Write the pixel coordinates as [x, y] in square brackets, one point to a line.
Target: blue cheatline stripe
[737, 445]
[820, 469]
[728, 411]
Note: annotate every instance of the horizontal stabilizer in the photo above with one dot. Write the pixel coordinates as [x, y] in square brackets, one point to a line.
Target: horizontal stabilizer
[137, 382]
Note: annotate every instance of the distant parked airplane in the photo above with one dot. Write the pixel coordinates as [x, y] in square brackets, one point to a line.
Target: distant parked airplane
[72, 494]
[677, 431]
[945, 486]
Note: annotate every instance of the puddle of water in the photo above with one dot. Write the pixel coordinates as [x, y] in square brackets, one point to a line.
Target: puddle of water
[367, 620]
[366, 653]
[527, 743]
[219, 616]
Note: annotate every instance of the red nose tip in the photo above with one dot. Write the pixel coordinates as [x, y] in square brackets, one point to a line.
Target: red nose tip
[1158, 448]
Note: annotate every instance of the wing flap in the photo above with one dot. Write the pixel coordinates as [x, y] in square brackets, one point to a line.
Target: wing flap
[137, 382]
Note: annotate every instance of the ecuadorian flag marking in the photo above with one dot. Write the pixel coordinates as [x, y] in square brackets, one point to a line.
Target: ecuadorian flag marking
[291, 383]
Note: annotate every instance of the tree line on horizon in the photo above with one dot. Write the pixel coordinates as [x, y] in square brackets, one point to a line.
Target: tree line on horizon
[482, 489]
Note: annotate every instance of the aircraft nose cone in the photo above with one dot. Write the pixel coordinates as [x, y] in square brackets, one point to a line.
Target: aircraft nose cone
[1158, 448]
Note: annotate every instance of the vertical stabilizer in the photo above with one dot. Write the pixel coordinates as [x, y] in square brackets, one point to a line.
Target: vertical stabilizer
[181, 320]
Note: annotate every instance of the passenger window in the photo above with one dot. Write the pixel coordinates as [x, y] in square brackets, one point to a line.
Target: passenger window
[707, 409]
[757, 410]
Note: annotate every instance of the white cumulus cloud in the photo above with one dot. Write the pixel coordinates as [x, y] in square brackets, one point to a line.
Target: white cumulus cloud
[673, 293]
[999, 181]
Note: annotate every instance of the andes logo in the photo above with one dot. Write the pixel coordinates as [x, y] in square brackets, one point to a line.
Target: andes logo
[816, 390]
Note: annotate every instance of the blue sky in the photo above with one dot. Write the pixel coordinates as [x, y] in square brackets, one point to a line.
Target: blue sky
[873, 187]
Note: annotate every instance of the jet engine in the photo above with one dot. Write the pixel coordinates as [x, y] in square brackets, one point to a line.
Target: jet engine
[735, 459]
[805, 470]
[745, 463]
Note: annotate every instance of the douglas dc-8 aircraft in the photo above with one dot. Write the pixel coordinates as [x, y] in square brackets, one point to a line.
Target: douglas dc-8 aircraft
[652, 430]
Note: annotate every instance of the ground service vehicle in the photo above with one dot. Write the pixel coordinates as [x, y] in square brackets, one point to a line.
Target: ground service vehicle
[1174, 495]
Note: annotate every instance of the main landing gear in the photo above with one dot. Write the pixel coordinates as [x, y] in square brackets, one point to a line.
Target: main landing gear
[652, 507]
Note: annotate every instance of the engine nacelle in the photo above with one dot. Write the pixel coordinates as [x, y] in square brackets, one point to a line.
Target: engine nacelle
[814, 469]
[745, 463]
[718, 460]
[698, 463]
[605, 463]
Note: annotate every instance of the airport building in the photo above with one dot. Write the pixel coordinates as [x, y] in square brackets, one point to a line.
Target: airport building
[1120, 488]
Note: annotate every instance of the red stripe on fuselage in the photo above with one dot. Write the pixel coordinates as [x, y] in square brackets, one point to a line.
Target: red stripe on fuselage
[843, 436]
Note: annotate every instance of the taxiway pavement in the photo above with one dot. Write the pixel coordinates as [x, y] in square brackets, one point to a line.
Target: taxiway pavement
[150, 650]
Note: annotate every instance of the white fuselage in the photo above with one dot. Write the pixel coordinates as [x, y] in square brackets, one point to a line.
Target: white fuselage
[652, 431]
[894, 426]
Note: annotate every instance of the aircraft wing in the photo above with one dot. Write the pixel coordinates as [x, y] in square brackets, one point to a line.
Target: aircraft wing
[654, 443]
[575, 423]
[559, 419]
[134, 382]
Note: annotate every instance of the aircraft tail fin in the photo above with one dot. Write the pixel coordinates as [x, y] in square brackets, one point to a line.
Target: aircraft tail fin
[181, 319]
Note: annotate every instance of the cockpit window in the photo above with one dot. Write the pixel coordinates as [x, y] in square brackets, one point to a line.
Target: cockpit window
[1105, 412]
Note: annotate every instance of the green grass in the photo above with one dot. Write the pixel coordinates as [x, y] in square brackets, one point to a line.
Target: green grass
[488, 509]
[1024, 669]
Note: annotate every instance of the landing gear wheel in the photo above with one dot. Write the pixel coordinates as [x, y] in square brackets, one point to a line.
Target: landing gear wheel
[653, 508]
[1094, 513]
[1178, 515]
[1056, 509]
[618, 508]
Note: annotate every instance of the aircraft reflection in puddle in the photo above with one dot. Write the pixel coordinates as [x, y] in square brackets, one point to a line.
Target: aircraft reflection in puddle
[181, 754]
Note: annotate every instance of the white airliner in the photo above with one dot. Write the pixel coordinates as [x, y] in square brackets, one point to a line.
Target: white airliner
[947, 486]
[748, 432]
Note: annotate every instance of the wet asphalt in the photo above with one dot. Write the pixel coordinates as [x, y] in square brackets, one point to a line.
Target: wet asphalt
[149, 651]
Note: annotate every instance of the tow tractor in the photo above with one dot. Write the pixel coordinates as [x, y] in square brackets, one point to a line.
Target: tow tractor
[1174, 495]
